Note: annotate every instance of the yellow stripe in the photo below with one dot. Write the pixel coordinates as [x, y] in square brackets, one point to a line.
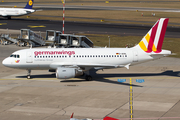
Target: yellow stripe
[143, 46]
[154, 48]
[147, 37]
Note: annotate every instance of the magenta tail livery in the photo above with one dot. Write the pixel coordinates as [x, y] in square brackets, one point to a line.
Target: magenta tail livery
[153, 40]
[71, 62]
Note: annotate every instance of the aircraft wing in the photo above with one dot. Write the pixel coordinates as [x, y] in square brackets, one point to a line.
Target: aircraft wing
[84, 65]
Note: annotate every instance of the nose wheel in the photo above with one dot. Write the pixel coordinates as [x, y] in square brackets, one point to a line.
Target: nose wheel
[28, 74]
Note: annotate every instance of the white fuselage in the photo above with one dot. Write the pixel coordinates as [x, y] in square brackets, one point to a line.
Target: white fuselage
[51, 58]
[5, 12]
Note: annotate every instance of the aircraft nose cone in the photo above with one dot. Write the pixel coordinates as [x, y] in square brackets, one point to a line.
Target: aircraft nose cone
[5, 62]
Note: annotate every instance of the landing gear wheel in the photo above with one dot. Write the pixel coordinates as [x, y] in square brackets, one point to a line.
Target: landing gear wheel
[28, 77]
[88, 78]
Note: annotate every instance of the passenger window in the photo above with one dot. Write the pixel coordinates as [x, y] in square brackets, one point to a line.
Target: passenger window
[14, 56]
[40, 56]
[109, 55]
[82, 55]
[101, 55]
[98, 55]
[34, 56]
[37, 56]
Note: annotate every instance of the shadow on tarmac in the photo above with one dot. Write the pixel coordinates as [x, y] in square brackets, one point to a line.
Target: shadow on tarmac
[104, 77]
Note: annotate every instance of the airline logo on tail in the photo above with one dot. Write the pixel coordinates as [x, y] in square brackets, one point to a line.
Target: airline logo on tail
[29, 4]
[154, 38]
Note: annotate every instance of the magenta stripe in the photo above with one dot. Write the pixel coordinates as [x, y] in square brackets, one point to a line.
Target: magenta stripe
[152, 36]
[161, 38]
[157, 118]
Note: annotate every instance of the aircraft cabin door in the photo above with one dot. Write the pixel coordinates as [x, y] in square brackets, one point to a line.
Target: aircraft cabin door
[135, 56]
[29, 57]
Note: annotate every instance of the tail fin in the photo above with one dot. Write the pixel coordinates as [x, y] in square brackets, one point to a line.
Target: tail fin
[153, 40]
[110, 118]
[72, 115]
[29, 4]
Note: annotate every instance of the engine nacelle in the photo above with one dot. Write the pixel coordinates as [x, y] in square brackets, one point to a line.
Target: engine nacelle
[65, 73]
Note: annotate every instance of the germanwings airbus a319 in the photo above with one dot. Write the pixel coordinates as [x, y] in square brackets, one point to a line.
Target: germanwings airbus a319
[71, 62]
[8, 12]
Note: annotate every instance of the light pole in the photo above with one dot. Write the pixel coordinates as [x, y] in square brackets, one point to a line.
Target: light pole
[109, 41]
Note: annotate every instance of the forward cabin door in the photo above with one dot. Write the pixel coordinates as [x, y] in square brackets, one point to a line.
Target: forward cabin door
[29, 57]
[135, 56]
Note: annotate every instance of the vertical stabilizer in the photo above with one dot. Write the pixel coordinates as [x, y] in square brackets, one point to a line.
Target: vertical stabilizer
[153, 40]
[29, 4]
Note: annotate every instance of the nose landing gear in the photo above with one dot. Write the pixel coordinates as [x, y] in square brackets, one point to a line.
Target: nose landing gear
[28, 74]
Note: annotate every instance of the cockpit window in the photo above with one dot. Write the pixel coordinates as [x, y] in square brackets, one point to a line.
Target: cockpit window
[15, 56]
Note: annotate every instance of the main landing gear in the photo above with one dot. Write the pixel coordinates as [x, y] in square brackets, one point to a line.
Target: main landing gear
[28, 74]
[87, 76]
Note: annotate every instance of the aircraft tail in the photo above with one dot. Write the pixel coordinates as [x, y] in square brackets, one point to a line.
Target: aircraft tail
[153, 40]
[110, 118]
[72, 115]
[29, 4]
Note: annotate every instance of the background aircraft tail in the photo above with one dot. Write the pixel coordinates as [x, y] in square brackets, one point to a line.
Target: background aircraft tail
[153, 40]
[29, 4]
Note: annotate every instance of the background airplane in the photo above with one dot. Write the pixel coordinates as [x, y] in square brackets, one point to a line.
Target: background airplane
[8, 12]
[71, 62]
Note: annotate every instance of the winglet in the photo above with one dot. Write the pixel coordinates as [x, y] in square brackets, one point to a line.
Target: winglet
[29, 4]
[110, 118]
[72, 115]
[127, 66]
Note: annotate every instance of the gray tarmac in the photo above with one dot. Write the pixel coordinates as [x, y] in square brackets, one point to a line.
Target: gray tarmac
[46, 98]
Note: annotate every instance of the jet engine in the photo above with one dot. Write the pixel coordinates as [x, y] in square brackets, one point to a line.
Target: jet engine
[65, 73]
